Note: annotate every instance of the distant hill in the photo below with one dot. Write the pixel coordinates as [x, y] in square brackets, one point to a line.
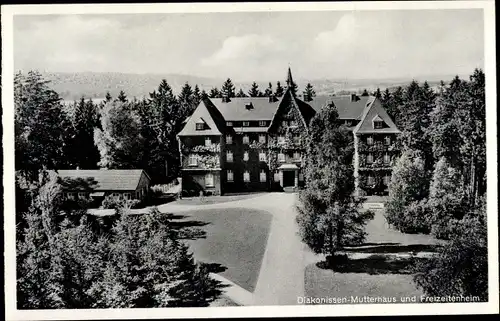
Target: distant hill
[72, 86]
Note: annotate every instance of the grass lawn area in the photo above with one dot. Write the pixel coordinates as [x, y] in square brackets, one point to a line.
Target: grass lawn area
[327, 283]
[206, 200]
[236, 238]
[379, 270]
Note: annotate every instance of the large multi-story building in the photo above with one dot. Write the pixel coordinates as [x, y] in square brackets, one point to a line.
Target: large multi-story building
[258, 143]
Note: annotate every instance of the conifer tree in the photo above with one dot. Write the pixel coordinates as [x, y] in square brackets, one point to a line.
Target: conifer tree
[377, 93]
[269, 90]
[365, 93]
[279, 90]
[215, 93]
[309, 93]
[228, 89]
[241, 93]
[86, 119]
[330, 216]
[108, 97]
[122, 97]
[254, 90]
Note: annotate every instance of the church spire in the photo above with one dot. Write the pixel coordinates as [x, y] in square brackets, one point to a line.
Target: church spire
[289, 79]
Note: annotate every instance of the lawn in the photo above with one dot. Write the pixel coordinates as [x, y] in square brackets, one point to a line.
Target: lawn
[382, 267]
[236, 238]
[206, 200]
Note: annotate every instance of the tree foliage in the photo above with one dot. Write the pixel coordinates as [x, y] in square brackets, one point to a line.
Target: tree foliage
[309, 93]
[254, 90]
[330, 217]
[280, 90]
[228, 89]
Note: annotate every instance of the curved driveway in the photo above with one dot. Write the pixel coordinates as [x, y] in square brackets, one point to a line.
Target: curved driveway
[281, 277]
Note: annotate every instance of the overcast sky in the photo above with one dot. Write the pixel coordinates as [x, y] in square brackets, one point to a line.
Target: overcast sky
[256, 46]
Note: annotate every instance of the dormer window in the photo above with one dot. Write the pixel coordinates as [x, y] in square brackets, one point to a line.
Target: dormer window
[348, 122]
[229, 124]
[378, 124]
[200, 126]
[246, 123]
[262, 123]
[293, 123]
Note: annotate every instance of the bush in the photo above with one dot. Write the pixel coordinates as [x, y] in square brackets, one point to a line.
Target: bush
[461, 266]
[111, 202]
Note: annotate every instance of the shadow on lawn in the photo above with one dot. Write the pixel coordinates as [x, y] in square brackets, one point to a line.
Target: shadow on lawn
[392, 248]
[187, 229]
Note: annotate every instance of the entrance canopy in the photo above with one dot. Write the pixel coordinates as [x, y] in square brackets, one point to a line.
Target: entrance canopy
[288, 166]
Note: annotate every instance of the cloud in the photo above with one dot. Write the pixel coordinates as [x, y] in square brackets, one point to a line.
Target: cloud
[246, 48]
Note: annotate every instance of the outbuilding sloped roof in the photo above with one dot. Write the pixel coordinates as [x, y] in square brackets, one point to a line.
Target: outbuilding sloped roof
[106, 179]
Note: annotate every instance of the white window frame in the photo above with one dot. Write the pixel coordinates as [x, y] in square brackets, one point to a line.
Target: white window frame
[246, 139]
[208, 141]
[229, 157]
[71, 196]
[262, 138]
[297, 156]
[192, 160]
[263, 176]
[82, 195]
[246, 156]
[292, 123]
[369, 140]
[246, 124]
[387, 180]
[281, 139]
[281, 157]
[370, 180]
[246, 176]
[262, 123]
[387, 158]
[229, 139]
[387, 140]
[229, 124]
[127, 196]
[377, 124]
[200, 126]
[369, 158]
[230, 175]
[276, 176]
[209, 180]
[116, 195]
[262, 156]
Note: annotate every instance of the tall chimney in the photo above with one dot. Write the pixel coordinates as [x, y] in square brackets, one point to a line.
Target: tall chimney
[272, 98]
[354, 98]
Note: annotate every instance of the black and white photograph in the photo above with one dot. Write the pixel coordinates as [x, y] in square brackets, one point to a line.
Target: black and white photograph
[249, 159]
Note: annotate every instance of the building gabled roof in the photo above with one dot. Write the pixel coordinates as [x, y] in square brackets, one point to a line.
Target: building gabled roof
[377, 112]
[346, 108]
[209, 114]
[106, 179]
[235, 109]
[288, 97]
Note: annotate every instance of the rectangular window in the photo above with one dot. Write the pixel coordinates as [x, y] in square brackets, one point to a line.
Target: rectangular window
[276, 176]
[116, 195]
[348, 123]
[70, 196]
[387, 159]
[293, 123]
[193, 160]
[369, 159]
[296, 139]
[281, 139]
[262, 156]
[378, 124]
[369, 140]
[209, 180]
[246, 123]
[200, 126]
[387, 180]
[262, 139]
[229, 157]
[263, 177]
[208, 141]
[245, 156]
[262, 123]
[229, 139]
[296, 156]
[387, 140]
[230, 175]
[370, 180]
[126, 196]
[281, 157]
[246, 139]
[246, 176]
[229, 124]
[82, 195]
[284, 123]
